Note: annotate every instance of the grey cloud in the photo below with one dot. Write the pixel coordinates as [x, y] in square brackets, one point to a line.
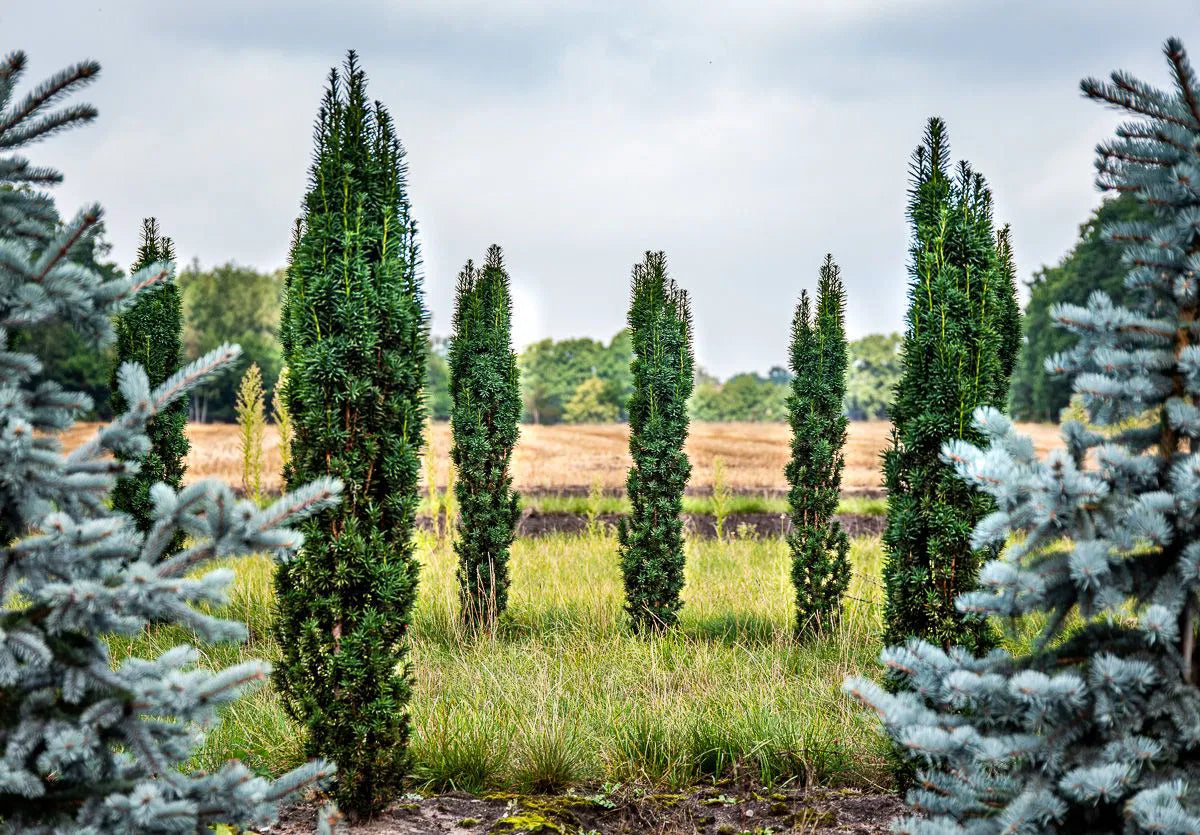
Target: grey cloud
[746, 140]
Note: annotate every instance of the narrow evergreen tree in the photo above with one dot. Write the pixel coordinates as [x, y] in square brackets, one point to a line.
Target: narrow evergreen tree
[651, 537]
[1096, 727]
[820, 548]
[354, 338]
[88, 746]
[483, 419]
[1008, 323]
[954, 357]
[150, 333]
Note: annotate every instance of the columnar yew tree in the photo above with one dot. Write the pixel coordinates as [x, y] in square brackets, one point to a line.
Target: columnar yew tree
[1096, 727]
[1008, 324]
[820, 548]
[954, 357]
[150, 333]
[651, 537]
[354, 339]
[486, 409]
[88, 745]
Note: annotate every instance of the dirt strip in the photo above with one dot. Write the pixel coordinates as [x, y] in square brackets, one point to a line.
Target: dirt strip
[691, 490]
[533, 523]
[710, 810]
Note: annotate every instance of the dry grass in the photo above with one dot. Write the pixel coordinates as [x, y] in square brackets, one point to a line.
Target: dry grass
[564, 696]
[557, 457]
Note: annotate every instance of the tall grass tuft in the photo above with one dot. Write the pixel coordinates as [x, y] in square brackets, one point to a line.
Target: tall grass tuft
[252, 424]
[595, 499]
[283, 419]
[562, 696]
[720, 496]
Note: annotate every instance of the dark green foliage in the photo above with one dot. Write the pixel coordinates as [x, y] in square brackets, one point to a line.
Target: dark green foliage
[743, 397]
[958, 330]
[437, 380]
[150, 334]
[230, 303]
[1092, 264]
[551, 373]
[590, 404]
[68, 358]
[820, 548]
[487, 408]
[871, 377]
[354, 333]
[1008, 320]
[651, 537]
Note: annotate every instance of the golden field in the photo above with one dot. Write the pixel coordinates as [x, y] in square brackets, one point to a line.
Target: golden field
[564, 456]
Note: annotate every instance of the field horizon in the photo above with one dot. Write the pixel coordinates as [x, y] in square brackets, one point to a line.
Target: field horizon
[571, 457]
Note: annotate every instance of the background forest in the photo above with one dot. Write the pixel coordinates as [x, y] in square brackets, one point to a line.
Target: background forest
[587, 380]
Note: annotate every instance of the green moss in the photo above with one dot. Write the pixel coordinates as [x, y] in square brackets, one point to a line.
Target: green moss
[528, 822]
[543, 814]
[808, 819]
[665, 800]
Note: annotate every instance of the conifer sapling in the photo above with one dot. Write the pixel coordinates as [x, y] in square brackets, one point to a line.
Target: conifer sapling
[149, 332]
[820, 548]
[954, 360]
[651, 536]
[354, 333]
[486, 409]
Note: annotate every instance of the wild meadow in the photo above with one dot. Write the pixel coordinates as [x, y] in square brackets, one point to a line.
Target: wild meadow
[563, 696]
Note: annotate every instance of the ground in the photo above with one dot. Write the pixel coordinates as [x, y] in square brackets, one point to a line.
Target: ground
[724, 724]
[721, 810]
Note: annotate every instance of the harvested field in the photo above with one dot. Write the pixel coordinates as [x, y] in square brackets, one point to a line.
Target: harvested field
[561, 457]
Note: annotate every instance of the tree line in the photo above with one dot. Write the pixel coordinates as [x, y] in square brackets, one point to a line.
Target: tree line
[585, 380]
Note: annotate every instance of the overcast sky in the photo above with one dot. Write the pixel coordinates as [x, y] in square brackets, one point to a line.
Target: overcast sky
[746, 139]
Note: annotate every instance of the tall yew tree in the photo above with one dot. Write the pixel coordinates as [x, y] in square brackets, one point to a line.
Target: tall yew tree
[956, 357]
[150, 333]
[1093, 723]
[354, 330]
[820, 548]
[486, 408]
[651, 537]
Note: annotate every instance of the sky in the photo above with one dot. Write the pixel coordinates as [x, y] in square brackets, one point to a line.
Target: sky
[745, 139]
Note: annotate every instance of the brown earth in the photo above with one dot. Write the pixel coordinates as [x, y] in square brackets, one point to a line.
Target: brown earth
[711, 810]
[572, 457]
[759, 524]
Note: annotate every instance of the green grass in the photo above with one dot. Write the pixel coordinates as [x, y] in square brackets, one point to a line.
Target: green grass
[610, 503]
[563, 695]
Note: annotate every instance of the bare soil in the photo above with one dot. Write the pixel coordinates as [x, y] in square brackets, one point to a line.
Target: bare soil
[713, 810]
[703, 525]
